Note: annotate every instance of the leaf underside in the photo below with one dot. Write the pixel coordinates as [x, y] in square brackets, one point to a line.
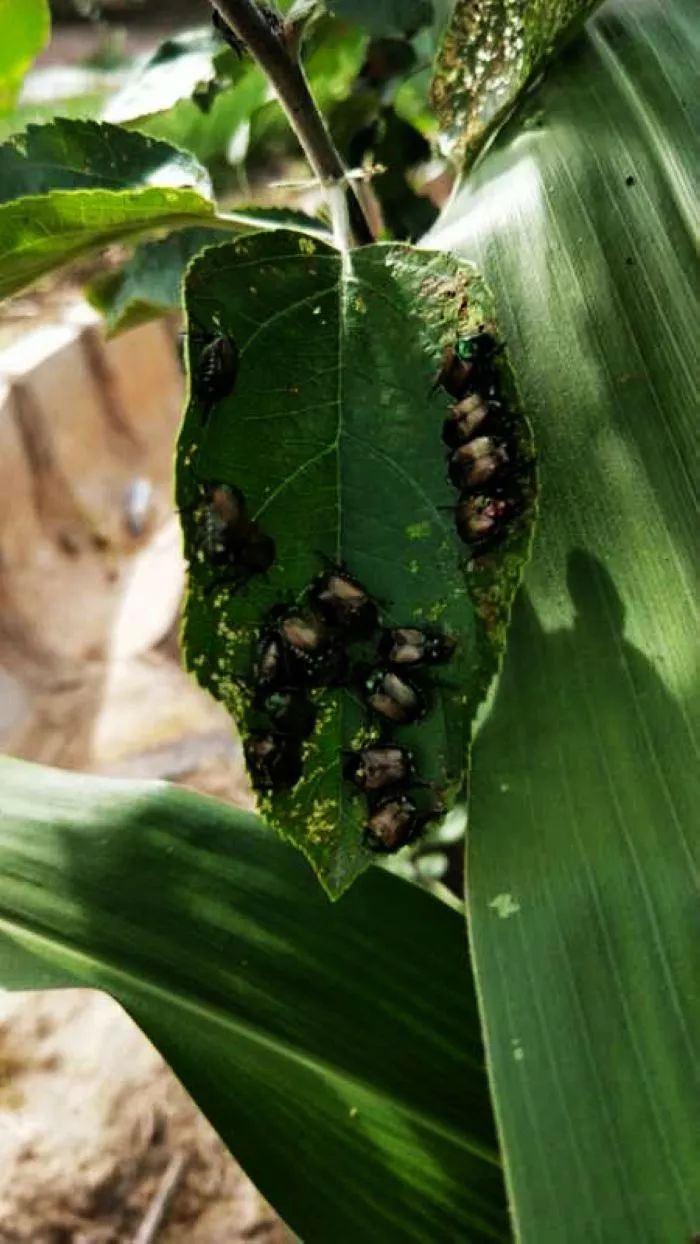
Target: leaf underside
[334, 438]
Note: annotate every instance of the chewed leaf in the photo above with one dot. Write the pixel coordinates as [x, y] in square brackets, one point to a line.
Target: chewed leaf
[490, 53]
[313, 440]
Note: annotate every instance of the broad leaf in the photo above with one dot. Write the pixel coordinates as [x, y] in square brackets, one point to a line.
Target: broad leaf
[39, 234]
[82, 155]
[182, 62]
[334, 436]
[585, 789]
[491, 52]
[149, 283]
[193, 92]
[24, 29]
[71, 187]
[334, 1048]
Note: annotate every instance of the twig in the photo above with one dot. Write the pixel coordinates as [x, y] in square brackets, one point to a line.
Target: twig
[153, 1218]
[289, 82]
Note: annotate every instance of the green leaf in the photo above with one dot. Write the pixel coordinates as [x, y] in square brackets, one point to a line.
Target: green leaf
[384, 17]
[490, 53]
[182, 62]
[334, 1048]
[585, 782]
[334, 437]
[81, 155]
[24, 29]
[159, 98]
[149, 284]
[71, 187]
[39, 234]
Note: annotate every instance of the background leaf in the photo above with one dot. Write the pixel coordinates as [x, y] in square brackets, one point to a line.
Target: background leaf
[585, 791]
[149, 283]
[171, 73]
[24, 29]
[41, 233]
[333, 1048]
[104, 185]
[384, 17]
[490, 53]
[334, 436]
[81, 155]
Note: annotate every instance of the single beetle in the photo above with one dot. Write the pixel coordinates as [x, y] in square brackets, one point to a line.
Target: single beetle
[231, 540]
[269, 669]
[274, 760]
[393, 697]
[272, 20]
[215, 371]
[467, 366]
[393, 822]
[474, 464]
[473, 414]
[290, 712]
[482, 521]
[378, 767]
[407, 646]
[301, 650]
[342, 601]
[225, 522]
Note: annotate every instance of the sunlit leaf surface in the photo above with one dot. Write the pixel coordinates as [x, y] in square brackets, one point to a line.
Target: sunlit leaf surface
[584, 825]
[24, 29]
[334, 1047]
[70, 187]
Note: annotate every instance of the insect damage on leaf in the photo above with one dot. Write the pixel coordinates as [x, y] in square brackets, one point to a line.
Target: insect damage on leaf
[345, 605]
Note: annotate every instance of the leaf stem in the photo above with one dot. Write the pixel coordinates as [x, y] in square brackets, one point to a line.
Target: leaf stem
[289, 82]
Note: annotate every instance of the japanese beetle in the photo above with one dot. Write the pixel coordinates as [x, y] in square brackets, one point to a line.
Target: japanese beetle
[375, 768]
[230, 539]
[256, 552]
[393, 698]
[296, 650]
[408, 646]
[342, 601]
[225, 523]
[272, 20]
[269, 668]
[467, 365]
[215, 372]
[290, 713]
[482, 521]
[274, 760]
[393, 822]
[473, 414]
[474, 464]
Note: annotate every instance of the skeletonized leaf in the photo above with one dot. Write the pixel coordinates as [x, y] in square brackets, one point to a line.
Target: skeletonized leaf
[491, 52]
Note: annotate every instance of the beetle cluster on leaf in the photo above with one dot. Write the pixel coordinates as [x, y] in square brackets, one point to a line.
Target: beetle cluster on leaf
[331, 634]
[483, 455]
[310, 645]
